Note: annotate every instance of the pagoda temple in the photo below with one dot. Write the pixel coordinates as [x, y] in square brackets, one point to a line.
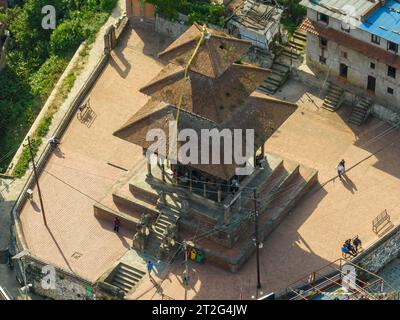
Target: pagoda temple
[206, 85]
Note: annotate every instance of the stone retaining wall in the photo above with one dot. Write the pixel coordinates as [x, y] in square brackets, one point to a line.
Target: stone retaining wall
[68, 285]
[170, 28]
[382, 252]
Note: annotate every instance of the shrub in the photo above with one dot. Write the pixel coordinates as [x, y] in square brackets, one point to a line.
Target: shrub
[67, 37]
[43, 80]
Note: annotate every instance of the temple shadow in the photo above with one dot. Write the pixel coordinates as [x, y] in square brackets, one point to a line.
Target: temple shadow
[152, 41]
[122, 234]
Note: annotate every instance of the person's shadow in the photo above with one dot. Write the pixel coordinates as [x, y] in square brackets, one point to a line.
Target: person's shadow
[348, 183]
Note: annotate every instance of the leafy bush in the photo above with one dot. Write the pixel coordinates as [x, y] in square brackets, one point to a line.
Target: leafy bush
[35, 62]
[67, 37]
[201, 11]
[42, 82]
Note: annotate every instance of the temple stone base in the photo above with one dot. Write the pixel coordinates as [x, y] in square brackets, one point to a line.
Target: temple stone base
[223, 230]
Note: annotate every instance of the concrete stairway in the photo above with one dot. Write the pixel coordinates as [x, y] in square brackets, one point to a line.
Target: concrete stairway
[361, 111]
[334, 97]
[280, 185]
[280, 73]
[296, 45]
[169, 215]
[125, 277]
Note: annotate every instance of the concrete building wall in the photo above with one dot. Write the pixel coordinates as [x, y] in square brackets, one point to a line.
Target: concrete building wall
[359, 66]
[354, 32]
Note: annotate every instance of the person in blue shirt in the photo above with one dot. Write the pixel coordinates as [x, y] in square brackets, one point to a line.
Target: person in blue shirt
[150, 265]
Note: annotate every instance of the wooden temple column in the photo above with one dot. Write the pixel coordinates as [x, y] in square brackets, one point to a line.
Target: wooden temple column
[163, 171]
[149, 168]
[263, 149]
[227, 215]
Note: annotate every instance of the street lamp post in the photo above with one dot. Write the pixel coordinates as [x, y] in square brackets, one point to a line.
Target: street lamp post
[257, 242]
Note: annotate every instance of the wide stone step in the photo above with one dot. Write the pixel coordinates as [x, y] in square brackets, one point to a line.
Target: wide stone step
[143, 194]
[266, 89]
[333, 93]
[288, 196]
[332, 100]
[131, 270]
[279, 72]
[288, 54]
[128, 220]
[300, 37]
[279, 177]
[296, 45]
[134, 204]
[126, 280]
[335, 89]
[273, 81]
[272, 163]
[122, 285]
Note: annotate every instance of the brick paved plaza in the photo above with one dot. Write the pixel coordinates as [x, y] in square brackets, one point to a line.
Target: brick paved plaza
[91, 157]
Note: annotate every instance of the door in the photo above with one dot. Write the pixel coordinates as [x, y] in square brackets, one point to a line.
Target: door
[343, 70]
[371, 83]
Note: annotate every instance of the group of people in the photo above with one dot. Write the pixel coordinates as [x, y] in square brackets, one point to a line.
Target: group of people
[351, 247]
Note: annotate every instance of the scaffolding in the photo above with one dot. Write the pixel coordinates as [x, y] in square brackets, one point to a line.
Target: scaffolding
[341, 280]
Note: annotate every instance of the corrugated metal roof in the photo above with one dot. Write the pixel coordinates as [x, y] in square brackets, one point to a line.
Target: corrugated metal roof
[335, 8]
[384, 22]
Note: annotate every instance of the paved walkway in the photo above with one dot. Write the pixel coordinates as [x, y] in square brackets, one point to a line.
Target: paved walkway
[309, 238]
[79, 174]
[313, 233]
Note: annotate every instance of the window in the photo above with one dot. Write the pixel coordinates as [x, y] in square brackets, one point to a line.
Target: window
[375, 39]
[323, 42]
[372, 65]
[323, 18]
[390, 90]
[391, 72]
[344, 54]
[322, 59]
[391, 46]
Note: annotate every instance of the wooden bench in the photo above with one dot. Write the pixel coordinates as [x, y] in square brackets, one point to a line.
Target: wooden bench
[382, 220]
[84, 109]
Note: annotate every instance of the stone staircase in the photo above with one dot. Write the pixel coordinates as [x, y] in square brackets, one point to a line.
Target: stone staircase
[125, 277]
[280, 185]
[280, 73]
[361, 111]
[156, 236]
[295, 46]
[334, 97]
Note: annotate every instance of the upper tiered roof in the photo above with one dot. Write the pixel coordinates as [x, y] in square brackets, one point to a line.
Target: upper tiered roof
[215, 56]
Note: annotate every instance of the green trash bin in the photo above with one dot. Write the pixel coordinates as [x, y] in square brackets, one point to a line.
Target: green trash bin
[200, 256]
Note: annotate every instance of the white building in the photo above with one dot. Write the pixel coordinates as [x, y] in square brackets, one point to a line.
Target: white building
[257, 22]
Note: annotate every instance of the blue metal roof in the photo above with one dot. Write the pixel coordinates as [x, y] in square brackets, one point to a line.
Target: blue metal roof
[384, 22]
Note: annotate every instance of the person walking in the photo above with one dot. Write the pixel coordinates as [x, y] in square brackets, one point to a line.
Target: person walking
[341, 170]
[117, 223]
[150, 265]
[357, 243]
[342, 163]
